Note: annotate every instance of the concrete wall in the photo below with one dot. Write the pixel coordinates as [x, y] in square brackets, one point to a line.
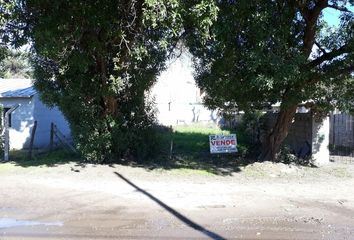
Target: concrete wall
[307, 130]
[320, 140]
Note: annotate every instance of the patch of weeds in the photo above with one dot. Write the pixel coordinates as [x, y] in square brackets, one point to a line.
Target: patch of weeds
[286, 156]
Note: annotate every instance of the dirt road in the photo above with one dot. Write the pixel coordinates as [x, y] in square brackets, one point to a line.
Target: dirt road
[262, 201]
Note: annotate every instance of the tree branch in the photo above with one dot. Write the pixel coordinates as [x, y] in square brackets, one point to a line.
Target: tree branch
[329, 56]
[342, 9]
[311, 16]
[319, 47]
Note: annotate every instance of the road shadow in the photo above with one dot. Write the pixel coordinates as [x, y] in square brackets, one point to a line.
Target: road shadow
[182, 218]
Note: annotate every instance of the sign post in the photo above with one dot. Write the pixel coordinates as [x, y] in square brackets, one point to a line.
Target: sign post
[223, 143]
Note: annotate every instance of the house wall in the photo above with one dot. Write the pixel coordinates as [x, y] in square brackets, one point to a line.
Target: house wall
[21, 121]
[177, 97]
[44, 117]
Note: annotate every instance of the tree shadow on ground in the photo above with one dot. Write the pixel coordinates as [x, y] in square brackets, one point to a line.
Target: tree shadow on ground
[43, 158]
[190, 151]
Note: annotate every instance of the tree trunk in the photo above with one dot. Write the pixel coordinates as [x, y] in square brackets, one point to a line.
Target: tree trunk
[273, 140]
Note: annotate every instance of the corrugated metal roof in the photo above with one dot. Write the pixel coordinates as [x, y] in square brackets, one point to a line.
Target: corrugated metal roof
[16, 88]
[19, 93]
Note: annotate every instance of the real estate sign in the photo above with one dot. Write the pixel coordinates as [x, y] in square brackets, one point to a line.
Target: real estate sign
[223, 143]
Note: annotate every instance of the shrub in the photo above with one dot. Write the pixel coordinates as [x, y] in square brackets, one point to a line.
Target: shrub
[251, 124]
[248, 134]
[287, 157]
[131, 135]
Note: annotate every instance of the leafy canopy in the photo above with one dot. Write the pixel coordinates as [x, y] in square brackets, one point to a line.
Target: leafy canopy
[263, 52]
[97, 60]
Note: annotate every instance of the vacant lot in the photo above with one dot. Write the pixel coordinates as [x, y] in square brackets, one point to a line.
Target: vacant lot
[258, 201]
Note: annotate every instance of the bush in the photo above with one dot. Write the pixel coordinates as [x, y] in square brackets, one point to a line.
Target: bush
[251, 124]
[131, 135]
[248, 134]
[287, 157]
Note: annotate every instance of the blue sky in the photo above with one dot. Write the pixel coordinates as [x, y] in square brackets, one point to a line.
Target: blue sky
[332, 15]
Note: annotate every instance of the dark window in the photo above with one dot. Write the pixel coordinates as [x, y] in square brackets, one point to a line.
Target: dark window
[5, 110]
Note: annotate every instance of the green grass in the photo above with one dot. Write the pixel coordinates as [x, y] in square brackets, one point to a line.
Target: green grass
[50, 159]
[194, 138]
[191, 152]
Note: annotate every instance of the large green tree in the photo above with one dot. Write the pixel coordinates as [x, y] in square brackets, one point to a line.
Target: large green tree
[96, 60]
[265, 52]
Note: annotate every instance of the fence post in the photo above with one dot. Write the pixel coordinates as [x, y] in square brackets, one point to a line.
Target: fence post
[32, 140]
[171, 142]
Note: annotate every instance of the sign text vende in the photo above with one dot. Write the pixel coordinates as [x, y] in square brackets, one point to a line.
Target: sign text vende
[223, 143]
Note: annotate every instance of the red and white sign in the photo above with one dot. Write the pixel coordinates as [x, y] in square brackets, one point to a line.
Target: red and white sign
[223, 143]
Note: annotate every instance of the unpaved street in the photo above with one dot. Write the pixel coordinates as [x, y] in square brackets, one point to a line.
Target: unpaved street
[262, 201]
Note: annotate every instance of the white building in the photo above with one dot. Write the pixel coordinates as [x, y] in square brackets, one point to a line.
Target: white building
[177, 96]
[30, 109]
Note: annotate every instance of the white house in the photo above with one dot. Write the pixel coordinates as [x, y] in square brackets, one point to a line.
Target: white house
[30, 109]
[177, 96]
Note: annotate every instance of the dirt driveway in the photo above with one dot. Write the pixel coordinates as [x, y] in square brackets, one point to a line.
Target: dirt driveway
[262, 201]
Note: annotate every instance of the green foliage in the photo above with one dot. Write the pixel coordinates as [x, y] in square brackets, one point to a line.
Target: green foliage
[287, 157]
[266, 52]
[251, 126]
[260, 55]
[16, 64]
[97, 60]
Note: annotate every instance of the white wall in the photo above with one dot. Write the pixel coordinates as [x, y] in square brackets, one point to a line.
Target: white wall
[44, 117]
[320, 140]
[177, 96]
[21, 121]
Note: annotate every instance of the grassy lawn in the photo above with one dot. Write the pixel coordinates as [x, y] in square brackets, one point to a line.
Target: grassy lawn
[194, 138]
[191, 153]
